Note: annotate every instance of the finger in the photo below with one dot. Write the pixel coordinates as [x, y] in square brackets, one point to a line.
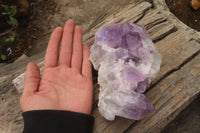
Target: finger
[86, 66]
[77, 54]
[52, 53]
[67, 40]
[32, 79]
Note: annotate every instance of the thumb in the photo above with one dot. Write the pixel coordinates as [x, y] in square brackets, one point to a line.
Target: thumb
[32, 79]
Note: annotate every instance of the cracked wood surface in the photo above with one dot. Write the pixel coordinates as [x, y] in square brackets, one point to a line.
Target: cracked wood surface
[176, 47]
[175, 86]
[170, 96]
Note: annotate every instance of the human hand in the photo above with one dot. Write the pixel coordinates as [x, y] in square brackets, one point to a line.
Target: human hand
[64, 86]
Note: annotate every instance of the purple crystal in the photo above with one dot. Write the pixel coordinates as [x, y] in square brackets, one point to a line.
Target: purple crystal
[137, 111]
[131, 74]
[127, 61]
[142, 86]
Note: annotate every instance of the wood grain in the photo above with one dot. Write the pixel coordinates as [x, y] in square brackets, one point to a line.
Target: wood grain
[175, 49]
[170, 97]
[130, 13]
[175, 86]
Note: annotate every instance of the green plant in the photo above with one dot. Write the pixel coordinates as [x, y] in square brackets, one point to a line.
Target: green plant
[3, 57]
[11, 12]
[11, 37]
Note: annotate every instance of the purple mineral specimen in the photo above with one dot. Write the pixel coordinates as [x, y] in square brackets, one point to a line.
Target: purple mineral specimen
[127, 61]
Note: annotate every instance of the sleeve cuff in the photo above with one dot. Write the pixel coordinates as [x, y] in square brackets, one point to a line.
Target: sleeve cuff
[57, 121]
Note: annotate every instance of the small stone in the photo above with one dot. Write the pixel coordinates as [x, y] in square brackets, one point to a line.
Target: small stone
[127, 61]
[195, 4]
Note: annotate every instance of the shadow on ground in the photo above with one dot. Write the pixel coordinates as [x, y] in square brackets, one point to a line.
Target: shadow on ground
[188, 121]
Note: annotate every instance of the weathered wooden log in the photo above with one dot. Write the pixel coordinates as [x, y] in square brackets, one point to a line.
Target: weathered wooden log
[177, 83]
[176, 50]
[170, 96]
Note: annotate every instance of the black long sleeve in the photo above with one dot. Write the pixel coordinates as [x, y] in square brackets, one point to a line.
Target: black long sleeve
[55, 121]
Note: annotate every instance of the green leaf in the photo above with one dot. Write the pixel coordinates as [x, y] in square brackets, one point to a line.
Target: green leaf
[9, 13]
[13, 21]
[12, 38]
[7, 39]
[4, 13]
[6, 8]
[13, 11]
[3, 57]
[9, 22]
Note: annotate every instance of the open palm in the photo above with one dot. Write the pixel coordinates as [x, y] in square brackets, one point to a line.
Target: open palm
[66, 85]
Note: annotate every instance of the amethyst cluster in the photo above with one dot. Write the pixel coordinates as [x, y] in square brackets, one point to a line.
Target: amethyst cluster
[127, 61]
